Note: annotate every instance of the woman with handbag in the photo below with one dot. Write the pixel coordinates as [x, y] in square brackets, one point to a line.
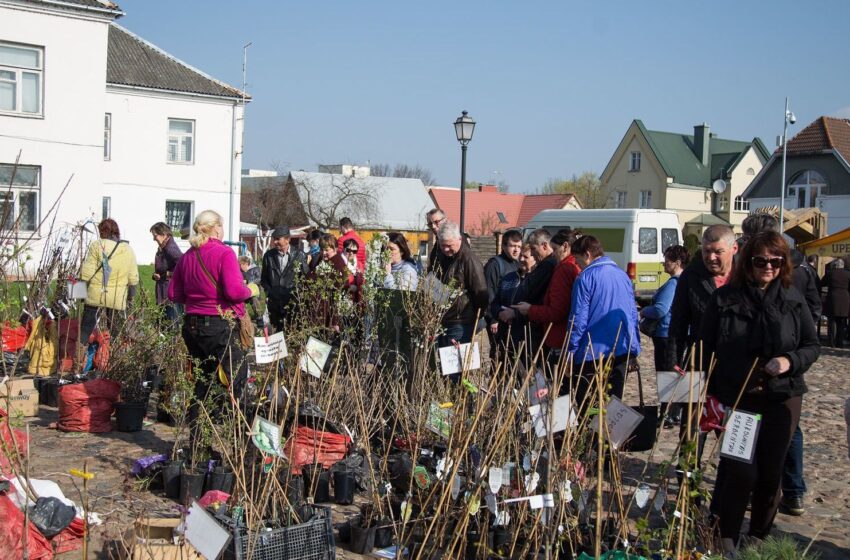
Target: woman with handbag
[208, 282]
[760, 332]
[655, 319]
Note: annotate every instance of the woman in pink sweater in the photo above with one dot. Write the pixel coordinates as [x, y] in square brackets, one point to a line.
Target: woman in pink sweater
[208, 282]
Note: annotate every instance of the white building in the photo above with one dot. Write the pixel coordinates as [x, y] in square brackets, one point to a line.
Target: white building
[142, 136]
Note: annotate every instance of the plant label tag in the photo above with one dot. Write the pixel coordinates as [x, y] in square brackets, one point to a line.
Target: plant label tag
[455, 487]
[677, 388]
[77, 289]
[642, 495]
[266, 437]
[531, 482]
[455, 359]
[270, 350]
[561, 415]
[740, 436]
[316, 354]
[492, 506]
[494, 479]
[536, 501]
[621, 420]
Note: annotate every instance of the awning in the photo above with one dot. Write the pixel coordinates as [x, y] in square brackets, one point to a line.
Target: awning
[835, 245]
[706, 220]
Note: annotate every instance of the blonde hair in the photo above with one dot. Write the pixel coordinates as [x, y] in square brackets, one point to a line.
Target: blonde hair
[203, 227]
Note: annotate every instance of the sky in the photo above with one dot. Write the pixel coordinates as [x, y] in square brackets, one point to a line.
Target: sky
[553, 86]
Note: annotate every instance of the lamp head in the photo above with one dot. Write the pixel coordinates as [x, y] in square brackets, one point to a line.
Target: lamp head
[791, 117]
[464, 127]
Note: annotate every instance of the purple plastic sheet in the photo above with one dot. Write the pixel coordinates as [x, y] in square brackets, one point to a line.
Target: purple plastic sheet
[141, 464]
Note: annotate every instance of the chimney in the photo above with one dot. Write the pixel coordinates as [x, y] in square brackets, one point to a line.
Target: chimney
[701, 140]
[488, 188]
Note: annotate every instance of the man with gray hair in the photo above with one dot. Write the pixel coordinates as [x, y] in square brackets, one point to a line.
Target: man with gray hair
[456, 265]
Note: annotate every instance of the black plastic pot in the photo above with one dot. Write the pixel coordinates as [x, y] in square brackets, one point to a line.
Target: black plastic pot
[221, 478]
[295, 490]
[317, 484]
[50, 388]
[344, 484]
[191, 486]
[383, 533]
[344, 530]
[501, 538]
[362, 539]
[130, 416]
[171, 479]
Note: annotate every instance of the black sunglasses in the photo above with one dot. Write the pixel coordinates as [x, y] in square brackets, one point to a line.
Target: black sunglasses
[352, 251]
[762, 262]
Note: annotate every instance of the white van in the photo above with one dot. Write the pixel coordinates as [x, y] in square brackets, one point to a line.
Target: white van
[634, 239]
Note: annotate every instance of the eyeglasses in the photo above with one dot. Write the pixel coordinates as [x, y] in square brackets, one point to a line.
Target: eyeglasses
[351, 251]
[762, 262]
[436, 222]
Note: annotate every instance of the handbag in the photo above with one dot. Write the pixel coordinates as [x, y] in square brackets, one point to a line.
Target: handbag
[644, 436]
[647, 326]
[246, 326]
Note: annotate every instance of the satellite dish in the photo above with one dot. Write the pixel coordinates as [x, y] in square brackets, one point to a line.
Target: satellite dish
[719, 186]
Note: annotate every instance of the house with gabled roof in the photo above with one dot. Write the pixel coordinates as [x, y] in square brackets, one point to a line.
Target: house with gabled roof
[488, 210]
[817, 173]
[674, 171]
[137, 134]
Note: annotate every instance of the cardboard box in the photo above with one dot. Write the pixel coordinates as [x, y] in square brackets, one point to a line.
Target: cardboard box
[23, 397]
[154, 539]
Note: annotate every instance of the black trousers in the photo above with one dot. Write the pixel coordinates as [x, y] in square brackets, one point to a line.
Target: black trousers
[583, 381]
[112, 319]
[736, 479]
[212, 340]
[836, 328]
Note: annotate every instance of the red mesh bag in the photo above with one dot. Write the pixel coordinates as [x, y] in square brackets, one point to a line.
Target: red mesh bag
[88, 407]
[14, 338]
[8, 444]
[101, 355]
[11, 534]
[308, 445]
[69, 335]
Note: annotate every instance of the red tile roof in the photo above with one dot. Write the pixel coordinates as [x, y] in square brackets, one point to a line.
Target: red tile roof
[825, 133]
[483, 208]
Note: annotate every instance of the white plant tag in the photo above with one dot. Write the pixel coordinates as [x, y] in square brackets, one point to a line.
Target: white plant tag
[642, 495]
[455, 487]
[495, 479]
[531, 481]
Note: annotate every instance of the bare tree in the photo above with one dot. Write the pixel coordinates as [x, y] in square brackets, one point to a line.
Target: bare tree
[587, 187]
[403, 171]
[325, 198]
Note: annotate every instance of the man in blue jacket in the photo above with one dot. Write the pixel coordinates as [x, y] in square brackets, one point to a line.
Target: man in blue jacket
[604, 320]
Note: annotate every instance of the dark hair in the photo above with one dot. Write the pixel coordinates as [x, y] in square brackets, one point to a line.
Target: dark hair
[161, 228]
[346, 223]
[314, 235]
[587, 244]
[511, 236]
[328, 241]
[348, 243]
[108, 229]
[771, 242]
[679, 253]
[759, 223]
[398, 239]
[566, 235]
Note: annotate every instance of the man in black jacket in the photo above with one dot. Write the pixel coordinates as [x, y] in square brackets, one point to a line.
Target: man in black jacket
[497, 268]
[282, 264]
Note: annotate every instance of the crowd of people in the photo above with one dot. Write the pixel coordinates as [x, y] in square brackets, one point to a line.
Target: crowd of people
[745, 311]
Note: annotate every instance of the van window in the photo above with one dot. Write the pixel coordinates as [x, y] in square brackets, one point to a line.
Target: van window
[612, 239]
[669, 237]
[647, 241]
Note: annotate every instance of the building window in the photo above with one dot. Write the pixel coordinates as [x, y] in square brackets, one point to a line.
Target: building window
[107, 137]
[806, 187]
[723, 203]
[619, 199]
[741, 205]
[19, 202]
[502, 218]
[645, 199]
[634, 163]
[21, 69]
[751, 171]
[106, 208]
[178, 215]
[181, 141]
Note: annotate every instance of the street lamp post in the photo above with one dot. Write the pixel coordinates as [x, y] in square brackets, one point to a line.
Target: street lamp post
[464, 127]
[789, 119]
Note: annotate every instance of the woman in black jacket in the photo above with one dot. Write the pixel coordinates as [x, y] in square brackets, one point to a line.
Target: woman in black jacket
[760, 332]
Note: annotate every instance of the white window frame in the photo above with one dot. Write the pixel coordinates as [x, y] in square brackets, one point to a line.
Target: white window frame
[634, 162]
[645, 199]
[811, 191]
[179, 138]
[741, 204]
[107, 136]
[14, 193]
[191, 204]
[18, 80]
[620, 198]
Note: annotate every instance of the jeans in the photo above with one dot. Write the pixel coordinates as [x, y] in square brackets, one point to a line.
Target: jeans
[793, 483]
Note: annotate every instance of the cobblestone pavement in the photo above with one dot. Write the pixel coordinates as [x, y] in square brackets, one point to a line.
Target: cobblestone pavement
[119, 499]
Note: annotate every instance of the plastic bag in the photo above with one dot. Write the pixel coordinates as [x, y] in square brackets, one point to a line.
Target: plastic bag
[88, 407]
[308, 444]
[14, 338]
[51, 516]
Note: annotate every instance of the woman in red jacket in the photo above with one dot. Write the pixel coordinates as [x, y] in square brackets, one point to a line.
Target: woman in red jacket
[555, 310]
